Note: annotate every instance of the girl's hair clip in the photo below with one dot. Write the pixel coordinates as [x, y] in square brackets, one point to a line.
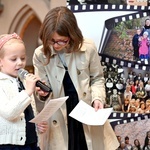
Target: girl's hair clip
[8, 37]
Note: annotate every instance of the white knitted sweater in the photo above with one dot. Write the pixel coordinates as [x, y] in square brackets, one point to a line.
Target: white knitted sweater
[12, 106]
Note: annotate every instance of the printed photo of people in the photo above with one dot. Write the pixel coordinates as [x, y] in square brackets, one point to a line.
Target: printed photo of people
[130, 40]
[128, 92]
[133, 136]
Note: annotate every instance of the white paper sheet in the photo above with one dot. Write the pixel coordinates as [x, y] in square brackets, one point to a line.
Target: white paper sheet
[87, 114]
[51, 107]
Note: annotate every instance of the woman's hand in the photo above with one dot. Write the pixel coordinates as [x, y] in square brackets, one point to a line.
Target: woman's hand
[40, 92]
[42, 127]
[97, 104]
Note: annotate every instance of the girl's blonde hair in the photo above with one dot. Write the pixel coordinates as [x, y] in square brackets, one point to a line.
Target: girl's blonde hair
[5, 38]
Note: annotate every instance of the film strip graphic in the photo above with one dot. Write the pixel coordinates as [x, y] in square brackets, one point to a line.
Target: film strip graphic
[123, 118]
[113, 15]
[106, 7]
[106, 17]
[124, 63]
[111, 23]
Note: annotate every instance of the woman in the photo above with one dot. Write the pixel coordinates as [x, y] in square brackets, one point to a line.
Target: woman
[144, 44]
[147, 139]
[141, 92]
[147, 88]
[115, 101]
[126, 104]
[137, 145]
[71, 66]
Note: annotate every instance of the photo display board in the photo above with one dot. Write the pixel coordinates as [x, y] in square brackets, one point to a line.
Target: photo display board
[112, 26]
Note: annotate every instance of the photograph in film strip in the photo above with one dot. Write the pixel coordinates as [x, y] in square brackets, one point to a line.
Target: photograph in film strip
[120, 30]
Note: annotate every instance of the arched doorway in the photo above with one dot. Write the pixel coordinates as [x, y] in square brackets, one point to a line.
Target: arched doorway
[27, 24]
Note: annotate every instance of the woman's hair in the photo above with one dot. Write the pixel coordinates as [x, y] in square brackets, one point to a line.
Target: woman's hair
[145, 33]
[62, 21]
[146, 139]
[146, 19]
[139, 145]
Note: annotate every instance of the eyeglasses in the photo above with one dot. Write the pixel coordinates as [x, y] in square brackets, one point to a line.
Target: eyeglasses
[61, 42]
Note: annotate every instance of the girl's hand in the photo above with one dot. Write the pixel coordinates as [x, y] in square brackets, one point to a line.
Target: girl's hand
[42, 127]
[31, 80]
[97, 104]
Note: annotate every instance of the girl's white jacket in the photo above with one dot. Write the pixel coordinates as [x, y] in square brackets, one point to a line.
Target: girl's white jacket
[12, 106]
